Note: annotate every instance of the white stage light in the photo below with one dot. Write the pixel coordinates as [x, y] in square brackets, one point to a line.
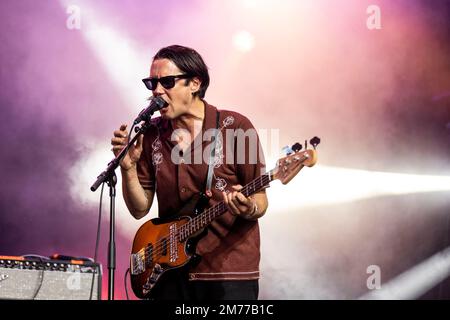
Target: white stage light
[124, 61]
[415, 282]
[243, 41]
[322, 185]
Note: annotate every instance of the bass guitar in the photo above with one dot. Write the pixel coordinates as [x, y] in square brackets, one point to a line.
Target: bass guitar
[162, 245]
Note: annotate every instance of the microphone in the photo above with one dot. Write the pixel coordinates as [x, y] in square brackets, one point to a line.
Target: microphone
[156, 104]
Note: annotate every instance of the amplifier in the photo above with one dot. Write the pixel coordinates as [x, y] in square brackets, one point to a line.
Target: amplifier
[49, 279]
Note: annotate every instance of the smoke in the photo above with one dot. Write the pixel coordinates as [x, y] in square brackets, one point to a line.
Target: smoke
[47, 103]
[324, 252]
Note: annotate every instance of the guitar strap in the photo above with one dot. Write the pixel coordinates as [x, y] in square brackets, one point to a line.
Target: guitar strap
[212, 157]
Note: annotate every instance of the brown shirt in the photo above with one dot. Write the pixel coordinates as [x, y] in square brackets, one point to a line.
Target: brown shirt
[231, 248]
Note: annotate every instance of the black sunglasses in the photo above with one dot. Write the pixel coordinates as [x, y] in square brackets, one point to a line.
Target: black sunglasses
[167, 82]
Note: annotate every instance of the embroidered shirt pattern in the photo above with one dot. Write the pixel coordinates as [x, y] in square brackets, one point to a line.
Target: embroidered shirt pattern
[221, 184]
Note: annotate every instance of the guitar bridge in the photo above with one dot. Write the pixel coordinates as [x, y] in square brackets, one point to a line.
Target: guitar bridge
[137, 263]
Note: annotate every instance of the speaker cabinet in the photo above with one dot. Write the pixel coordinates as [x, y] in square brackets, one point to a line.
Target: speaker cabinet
[49, 279]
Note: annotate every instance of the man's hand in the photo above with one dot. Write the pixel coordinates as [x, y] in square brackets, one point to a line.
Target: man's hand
[120, 141]
[240, 205]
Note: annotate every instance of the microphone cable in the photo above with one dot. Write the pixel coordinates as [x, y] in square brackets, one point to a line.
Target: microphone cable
[125, 282]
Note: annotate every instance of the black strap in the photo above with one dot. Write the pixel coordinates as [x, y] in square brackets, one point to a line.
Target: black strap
[212, 156]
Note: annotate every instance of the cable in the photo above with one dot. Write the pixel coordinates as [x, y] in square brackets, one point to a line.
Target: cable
[97, 241]
[125, 282]
[41, 276]
[31, 255]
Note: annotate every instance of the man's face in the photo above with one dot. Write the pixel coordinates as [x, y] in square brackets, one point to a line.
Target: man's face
[180, 96]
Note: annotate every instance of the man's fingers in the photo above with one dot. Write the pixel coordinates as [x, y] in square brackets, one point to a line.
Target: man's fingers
[236, 202]
[120, 134]
[233, 198]
[118, 141]
[231, 205]
[225, 197]
[237, 187]
[242, 199]
[116, 148]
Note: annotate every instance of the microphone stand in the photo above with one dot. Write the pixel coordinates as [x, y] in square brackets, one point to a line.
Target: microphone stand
[109, 176]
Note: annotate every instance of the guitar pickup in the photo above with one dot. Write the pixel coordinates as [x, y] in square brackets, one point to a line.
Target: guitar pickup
[163, 246]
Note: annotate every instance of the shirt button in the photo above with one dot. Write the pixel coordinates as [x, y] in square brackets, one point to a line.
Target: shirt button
[183, 189]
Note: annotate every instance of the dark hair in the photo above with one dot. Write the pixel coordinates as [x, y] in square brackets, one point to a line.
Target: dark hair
[189, 61]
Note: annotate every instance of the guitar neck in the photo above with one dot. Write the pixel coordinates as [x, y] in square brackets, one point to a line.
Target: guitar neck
[206, 217]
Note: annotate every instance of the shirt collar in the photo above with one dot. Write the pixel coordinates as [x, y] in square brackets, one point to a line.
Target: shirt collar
[209, 122]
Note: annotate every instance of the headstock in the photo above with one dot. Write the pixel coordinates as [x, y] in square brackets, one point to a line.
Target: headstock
[288, 167]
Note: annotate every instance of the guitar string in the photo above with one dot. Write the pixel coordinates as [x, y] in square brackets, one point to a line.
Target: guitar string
[195, 224]
[161, 247]
[252, 187]
[202, 220]
[161, 244]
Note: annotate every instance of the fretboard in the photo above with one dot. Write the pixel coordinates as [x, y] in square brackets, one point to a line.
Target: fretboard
[206, 217]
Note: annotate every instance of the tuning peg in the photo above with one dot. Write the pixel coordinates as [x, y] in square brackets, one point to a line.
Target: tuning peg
[315, 141]
[287, 150]
[296, 147]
